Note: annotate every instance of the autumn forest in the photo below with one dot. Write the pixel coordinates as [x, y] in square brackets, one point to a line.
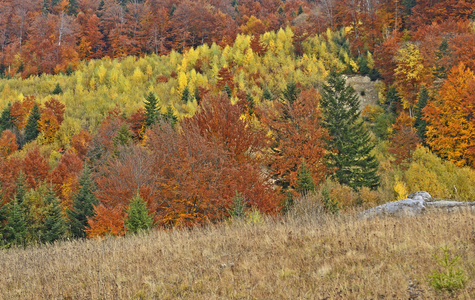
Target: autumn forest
[117, 116]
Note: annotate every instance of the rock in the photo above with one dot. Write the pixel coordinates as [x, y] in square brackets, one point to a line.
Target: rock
[415, 204]
[425, 196]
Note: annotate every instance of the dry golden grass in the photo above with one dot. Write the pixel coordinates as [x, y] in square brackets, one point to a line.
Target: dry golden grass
[304, 256]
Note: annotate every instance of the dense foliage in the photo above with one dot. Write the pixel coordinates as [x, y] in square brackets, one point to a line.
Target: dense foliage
[191, 106]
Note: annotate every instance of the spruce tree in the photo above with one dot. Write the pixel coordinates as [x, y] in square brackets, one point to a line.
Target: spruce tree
[31, 129]
[57, 90]
[185, 96]
[170, 117]
[83, 205]
[350, 143]
[54, 227]
[138, 218]
[290, 93]
[304, 180]
[16, 228]
[151, 109]
[420, 124]
[267, 94]
[6, 121]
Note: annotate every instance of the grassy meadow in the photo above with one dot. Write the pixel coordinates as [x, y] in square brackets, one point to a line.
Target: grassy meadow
[305, 255]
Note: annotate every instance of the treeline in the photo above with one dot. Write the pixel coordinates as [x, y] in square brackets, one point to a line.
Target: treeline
[53, 36]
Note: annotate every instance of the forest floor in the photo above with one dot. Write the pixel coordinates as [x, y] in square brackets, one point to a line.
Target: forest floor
[301, 256]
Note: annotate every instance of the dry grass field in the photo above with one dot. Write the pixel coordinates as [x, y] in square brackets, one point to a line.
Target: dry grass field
[302, 256]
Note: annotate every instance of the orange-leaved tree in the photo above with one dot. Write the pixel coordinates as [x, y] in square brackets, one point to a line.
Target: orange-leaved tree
[297, 134]
[404, 140]
[450, 117]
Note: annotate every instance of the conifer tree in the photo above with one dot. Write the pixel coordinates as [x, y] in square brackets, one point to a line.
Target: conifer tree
[138, 218]
[304, 180]
[16, 228]
[83, 205]
[185, 96]
[6, 121]
[54, 227]
[350, 143]
[57, 90]
[290, 93]
[151, 109]
[170, 117]
[266, 94]
[420, 124]
[31, 129]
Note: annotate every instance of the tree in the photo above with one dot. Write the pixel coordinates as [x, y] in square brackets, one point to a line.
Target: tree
[304, 180]
[404, 141]
[31, 128]
[83, 205]
[420, 124]
[138, 218]
[16, 228]
[8, 143]
[151, 109]
[54, 227]
[450, 121]
[350, 143]
[57, 90]
[6, 121]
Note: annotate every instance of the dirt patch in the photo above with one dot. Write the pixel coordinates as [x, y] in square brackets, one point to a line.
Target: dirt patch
[365, 88]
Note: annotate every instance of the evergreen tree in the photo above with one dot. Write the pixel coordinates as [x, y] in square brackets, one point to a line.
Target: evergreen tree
[20, 191]
[100, 9]
[393, 100]
[238, 208]
[228, 91]
[251, 103]
[73, 7]
[266, 94]
[185, 96]
[172, 10]
[124, 136]
[304, 180]
[300, 11]
[290, 93]
[170, 117]
[16, 228]
[31, 129]
[151, 109]
[420, 124]
[6, 121]
[350, 143]
[57, 90]
[54, 227]
[443, 51]
[138, 218]
[83, 205]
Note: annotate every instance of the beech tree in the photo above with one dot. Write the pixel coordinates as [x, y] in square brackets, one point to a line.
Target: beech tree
[350, 144]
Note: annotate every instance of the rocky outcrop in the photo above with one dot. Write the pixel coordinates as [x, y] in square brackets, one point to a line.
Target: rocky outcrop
[415, 204]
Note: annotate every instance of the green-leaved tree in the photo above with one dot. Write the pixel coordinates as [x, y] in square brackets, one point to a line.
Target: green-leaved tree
[138, 218]
[350, 143]
[83, 205]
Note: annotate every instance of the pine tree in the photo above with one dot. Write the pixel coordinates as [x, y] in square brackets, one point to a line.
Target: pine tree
[304, 180]
[300, 11]
[83, 205]
[16, 228]
[420, 124]
[6, 121]
[31, 129]
[20, 191]
[350, 143]
[54, 227]
[138, 218]
[124, 136]
[151, 109]
[57, 90]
